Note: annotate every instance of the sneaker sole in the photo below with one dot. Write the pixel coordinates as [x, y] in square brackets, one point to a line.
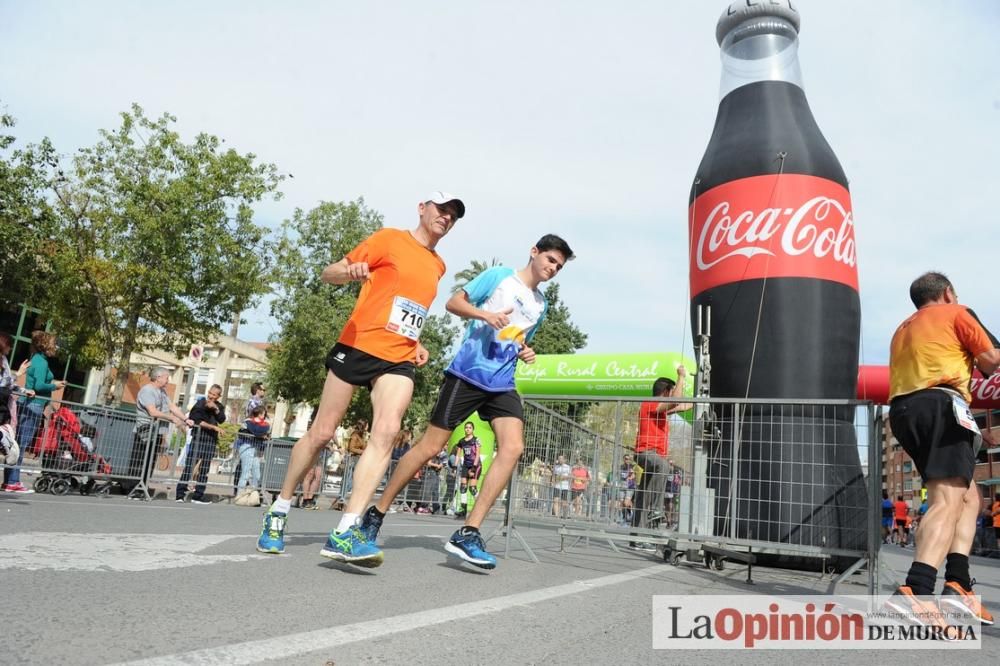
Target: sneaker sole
[270, 551]
[458, 552]
[957, 605]
[907, 616]
[366, 561]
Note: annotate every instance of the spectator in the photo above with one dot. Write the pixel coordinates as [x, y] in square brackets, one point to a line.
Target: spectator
[154, 412]
[41, 381]
[561, 473]
[10, 450]
[256, 400]
[626, 490]
[356, 444]
[430, 501]
[400, 445]
[208, 414]
[901, 510]
[995, 514]
[250, 444]
[578, 486]
[886, 517]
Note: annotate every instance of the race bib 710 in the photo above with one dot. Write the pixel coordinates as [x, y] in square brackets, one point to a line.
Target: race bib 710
[406, 318]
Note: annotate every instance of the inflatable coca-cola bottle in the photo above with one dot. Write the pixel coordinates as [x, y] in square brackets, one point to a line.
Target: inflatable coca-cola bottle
[773, 253]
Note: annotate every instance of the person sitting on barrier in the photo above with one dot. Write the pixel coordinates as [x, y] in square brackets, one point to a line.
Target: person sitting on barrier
[154, 412]
[208, 413]
[651, 446]
[931, 358]
[250, 443]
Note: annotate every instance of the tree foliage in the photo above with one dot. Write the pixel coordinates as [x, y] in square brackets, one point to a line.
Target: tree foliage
[156, 245]
[557, 334]
[467, 275]
[25, 216]
[311, 314]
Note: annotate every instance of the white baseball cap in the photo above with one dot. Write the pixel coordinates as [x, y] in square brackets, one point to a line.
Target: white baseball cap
[441, 198]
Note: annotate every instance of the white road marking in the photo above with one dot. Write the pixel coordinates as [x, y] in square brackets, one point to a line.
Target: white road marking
[105, 504]
[283, 647]
[63, 551]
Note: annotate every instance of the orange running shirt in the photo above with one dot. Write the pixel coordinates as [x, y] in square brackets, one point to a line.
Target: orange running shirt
[394, 300]
[996, 518]
[654, 429]
[935, 347]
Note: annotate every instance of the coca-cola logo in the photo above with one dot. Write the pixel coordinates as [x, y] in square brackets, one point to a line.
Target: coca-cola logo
[772, 226]
[985, 391]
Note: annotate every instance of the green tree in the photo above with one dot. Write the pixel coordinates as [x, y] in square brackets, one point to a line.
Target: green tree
[467, 275]
[310, 314]
[25, 216]
[156, 244]
[557, 335]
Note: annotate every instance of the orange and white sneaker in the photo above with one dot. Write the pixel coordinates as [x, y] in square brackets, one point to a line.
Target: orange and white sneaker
[957, 598]
[921, 611]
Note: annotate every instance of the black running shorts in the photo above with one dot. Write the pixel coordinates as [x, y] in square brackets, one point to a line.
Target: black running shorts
[360, 369]
[924, 423]
[458, 399]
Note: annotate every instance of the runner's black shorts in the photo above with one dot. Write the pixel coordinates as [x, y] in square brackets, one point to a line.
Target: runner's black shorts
[924, 423]
[360, 369]
[459, 399]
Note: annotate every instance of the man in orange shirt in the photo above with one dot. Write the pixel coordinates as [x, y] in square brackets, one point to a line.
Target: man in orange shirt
[930, 372]
[651, 443]
[378, 349]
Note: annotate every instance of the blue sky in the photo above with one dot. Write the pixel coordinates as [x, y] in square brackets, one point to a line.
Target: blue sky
[586, 119]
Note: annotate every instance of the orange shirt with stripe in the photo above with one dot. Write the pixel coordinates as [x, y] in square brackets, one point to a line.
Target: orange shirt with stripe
[400, 267]
[935, 346]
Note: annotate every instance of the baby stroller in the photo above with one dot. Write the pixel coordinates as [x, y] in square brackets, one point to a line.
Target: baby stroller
[67, 454]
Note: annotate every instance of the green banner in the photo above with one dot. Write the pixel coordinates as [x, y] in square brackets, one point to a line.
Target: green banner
[613, 375]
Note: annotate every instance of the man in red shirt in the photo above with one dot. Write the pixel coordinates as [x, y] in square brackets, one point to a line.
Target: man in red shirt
[651, 442]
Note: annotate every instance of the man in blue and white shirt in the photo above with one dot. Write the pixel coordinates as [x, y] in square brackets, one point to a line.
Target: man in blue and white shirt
[505, 309]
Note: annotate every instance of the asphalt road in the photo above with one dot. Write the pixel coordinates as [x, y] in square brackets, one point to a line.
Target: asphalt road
[106, 581]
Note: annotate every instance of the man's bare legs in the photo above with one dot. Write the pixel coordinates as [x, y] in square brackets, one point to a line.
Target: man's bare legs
[433, 440]
[390, 397]
[333, 405]
[965, 530]
[942, 530]
[509, 433]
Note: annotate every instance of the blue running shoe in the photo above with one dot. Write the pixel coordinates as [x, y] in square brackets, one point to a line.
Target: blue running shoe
[371, 523]
[353, 548]
[470, 547]
[272, 537]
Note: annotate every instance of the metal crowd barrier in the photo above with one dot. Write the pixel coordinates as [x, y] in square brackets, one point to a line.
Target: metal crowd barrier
[91, 449]
[754, 481]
